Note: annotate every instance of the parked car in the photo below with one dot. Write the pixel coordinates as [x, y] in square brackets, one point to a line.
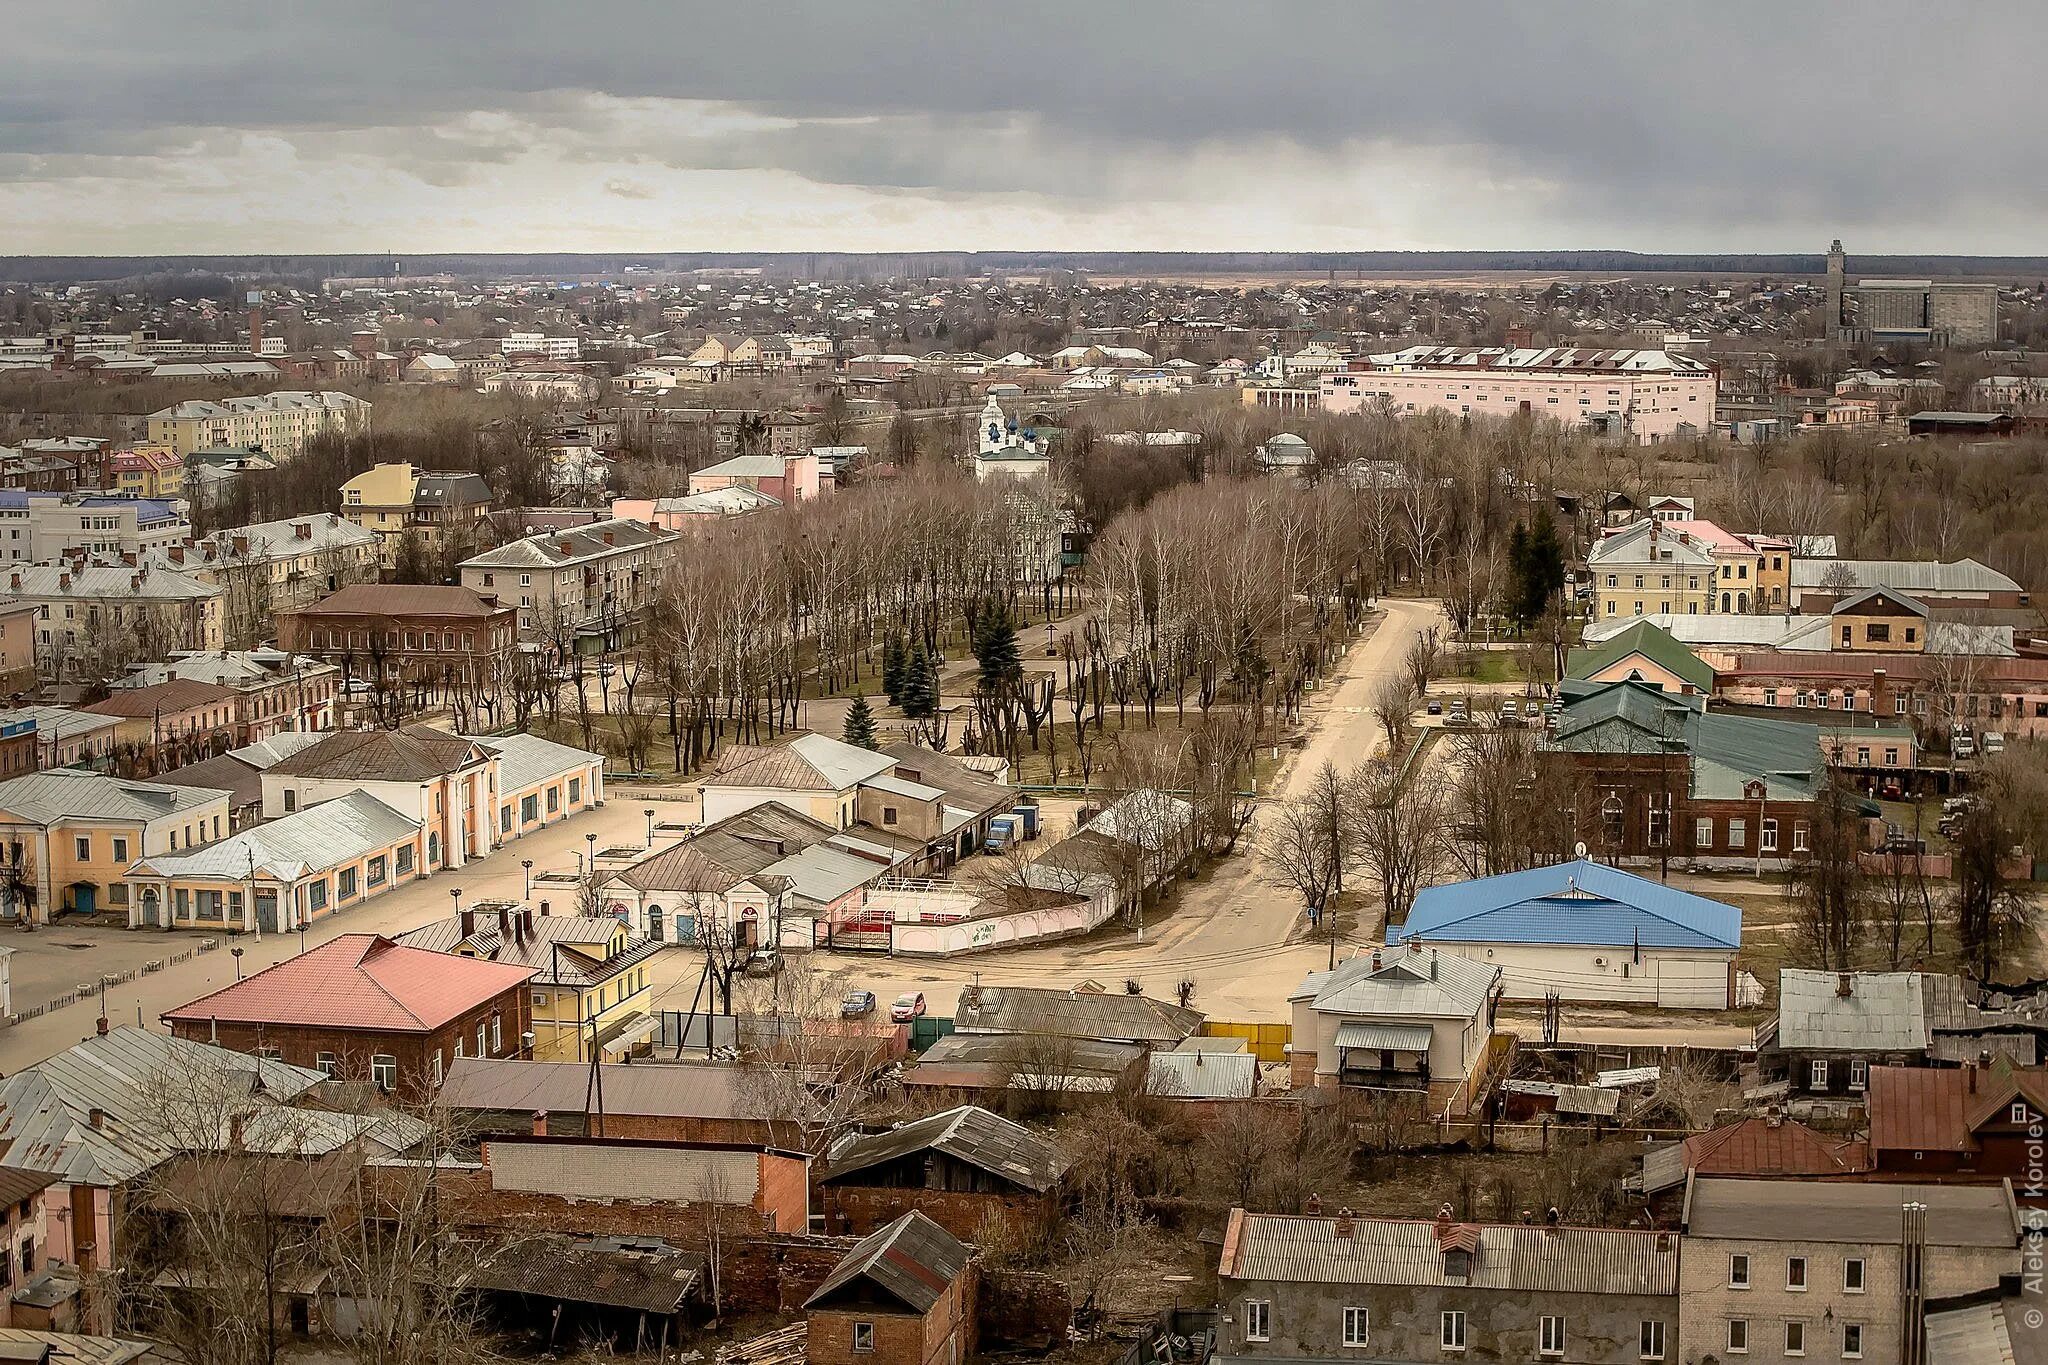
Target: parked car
[1510, 712]
[1994, 742]
[857, 1005]
[1435, 708]
[357, 687]
[764, 962]
[906, 1007]
[1962, 746]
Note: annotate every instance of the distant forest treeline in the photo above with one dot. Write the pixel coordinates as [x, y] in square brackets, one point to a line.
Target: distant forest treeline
[484, 265]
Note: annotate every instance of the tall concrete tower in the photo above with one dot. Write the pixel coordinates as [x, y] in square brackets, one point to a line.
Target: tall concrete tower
[1837, 279]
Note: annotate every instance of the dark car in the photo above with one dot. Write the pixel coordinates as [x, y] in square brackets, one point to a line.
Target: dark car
[857, 1005]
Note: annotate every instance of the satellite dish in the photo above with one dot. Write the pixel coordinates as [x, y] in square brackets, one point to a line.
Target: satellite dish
[1579, 849]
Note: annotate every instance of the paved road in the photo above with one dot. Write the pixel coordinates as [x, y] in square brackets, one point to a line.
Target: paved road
[1236, 934]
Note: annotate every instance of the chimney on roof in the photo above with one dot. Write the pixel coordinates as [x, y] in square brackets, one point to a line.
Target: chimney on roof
[1774, 1117]
[1970, 1071]
[96, 1119]
[1845, 985]
[1375, 959]
[303, 530]
[1432, 964]
[1552, 1218]
[15, 581]
[64, 582]
[1443, 1221]
[465, 921]
[99, 1026]
[540, 1123]
[177, 553]
[1314, 1206]
[1344, 1225]
[505, 923]
[241, 545]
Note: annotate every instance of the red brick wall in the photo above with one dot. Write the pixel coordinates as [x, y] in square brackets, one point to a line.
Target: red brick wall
[1021, 1308]
[302, 1046]
[857, 1210]
[899, 1337]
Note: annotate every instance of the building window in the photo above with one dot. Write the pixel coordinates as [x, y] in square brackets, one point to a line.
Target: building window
[529, 809]
[1652, 1340]
[864, 1336]
[120, 849]
[347, 881]
[1852, 1269]
[1770, 836]
[1770, 696]
[1703, 832]
[554, 799]
[1738, 1336]
[1800, 835]
[329, 1065]
[497, 1032]
[1795, 1338]
[1795, 1272]
[1859, 1076]
[1738, 1271]
[1258, 1320]
[83, 845]
[505, 820]
[1550, 1336]
[1816, 1079]
[575, 790]
[1451, 1331]
[384, 1071]
[1356, 1323]
[291, 799]
[404, 859]
[316, 895]
[1852, 1341]
[482, 1036]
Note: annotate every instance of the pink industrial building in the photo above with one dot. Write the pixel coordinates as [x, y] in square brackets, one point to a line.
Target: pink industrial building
[786, 478]
[1645, 395]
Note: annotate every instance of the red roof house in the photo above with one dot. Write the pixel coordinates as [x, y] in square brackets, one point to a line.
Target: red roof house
[1967, 1123]
[365, 1009]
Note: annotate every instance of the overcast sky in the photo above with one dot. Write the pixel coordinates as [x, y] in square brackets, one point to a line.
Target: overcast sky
[862, 125]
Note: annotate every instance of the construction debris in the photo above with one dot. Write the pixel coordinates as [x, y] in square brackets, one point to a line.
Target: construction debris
[784, 1346]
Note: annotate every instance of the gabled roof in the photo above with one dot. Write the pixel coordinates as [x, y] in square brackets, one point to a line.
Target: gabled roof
[1915, 576]
[509, 1085]
[404, 599]
[528, 760]
[1074, 1014]
[158, 699]
[721, 855]
[1939, 1109]
[1881, 1011]
[330, 834]
[1581, 902]
[1653, 643]
[1410, 1252]
[48, 796]
[129, 1075]
[1762, 1147]
[414, 753]
[810, 762]
[358, 981]
[969, 1133]
[1401, 982]
[913, 1260]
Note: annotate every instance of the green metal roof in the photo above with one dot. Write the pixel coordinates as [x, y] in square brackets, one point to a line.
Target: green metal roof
[1651, 641]
[1727, 751]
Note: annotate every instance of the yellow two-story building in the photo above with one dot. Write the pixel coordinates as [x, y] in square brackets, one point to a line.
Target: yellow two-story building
[69, 839]
[590, 988]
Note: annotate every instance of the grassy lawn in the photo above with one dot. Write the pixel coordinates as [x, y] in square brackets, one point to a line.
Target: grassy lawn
[1486, 666]
[1060, 761]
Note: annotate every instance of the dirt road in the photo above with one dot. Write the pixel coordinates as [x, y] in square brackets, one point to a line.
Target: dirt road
[1236, 933]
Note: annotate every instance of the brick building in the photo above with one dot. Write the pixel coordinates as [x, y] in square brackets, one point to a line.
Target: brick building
[905, 1295]
[680, 1102]
[392, 633]
[362, 1008]
[1651, 774]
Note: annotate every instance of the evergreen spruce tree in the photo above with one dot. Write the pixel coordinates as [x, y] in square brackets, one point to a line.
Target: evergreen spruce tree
[892, 670]
[860, 724]
[995, 649]
[1516, 598]
[920, 696]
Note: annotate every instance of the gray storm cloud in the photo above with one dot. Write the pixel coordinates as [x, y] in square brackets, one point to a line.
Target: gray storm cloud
[1738, 126]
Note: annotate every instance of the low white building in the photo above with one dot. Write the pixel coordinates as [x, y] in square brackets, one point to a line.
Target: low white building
[1585, 932]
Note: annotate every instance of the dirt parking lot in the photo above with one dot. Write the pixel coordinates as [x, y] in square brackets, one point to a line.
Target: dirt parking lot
[53, 961]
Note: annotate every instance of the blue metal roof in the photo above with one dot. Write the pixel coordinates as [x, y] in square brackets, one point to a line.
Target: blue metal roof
[1577, 903]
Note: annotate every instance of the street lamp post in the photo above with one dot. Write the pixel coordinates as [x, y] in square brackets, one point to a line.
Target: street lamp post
[455, 895]
[236, 953]
[527, 863]
[650, 826]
